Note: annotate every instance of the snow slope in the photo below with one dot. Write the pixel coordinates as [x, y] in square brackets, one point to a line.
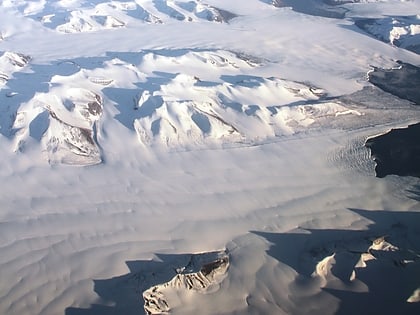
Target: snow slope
[205, 157]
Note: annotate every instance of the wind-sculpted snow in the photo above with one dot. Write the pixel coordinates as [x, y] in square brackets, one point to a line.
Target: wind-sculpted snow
[161, 285]
[206, 125]
[88, 16]
[300, 271]
[368, 270]
[61, 120]
[10, 63]
[173, 99]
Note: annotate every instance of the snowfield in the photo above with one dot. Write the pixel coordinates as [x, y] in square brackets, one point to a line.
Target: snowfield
[206, 157]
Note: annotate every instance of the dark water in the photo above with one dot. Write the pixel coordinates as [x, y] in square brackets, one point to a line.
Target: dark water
[397, 152]
[402, 81]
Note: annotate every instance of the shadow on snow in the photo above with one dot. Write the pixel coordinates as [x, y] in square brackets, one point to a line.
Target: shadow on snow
[391, 277]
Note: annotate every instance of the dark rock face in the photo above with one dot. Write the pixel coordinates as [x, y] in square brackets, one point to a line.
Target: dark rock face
[323, 8]
[403, 81]
[397, 152]
[396, 30]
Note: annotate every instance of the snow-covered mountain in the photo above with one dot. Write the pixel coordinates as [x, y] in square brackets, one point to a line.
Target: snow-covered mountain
[207, 157]
[89, 16]
[163, 105]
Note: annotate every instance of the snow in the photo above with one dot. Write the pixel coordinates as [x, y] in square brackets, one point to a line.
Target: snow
[203, 157]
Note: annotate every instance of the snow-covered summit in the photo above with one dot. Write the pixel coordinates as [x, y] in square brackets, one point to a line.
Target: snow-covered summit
[178, 100]
[88, 16]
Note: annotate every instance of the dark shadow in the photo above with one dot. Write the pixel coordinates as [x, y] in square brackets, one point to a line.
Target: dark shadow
[344, 265]
[39, 125]
[202, 121]
[59, 15]
[273, 109]
[142, 14]
[414, 192]
[355, 28]
[189, 6]
[22, 86]
[56, 15]
[220, 16]
[391, 277]
[243, 80]
[397, 152]
[125, 292]
[136, 57]
[129, 57]
[162, 6]
[229, 103]
[380, 301]
[53, 15]
[386, 24]
[207, 84]
[302, 249]
[251, 110]
[389, 284]
[322, 8]
[402, 81]
[127, 100]
[155, 126]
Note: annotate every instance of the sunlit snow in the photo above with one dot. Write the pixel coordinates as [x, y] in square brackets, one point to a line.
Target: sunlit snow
[207, 157]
